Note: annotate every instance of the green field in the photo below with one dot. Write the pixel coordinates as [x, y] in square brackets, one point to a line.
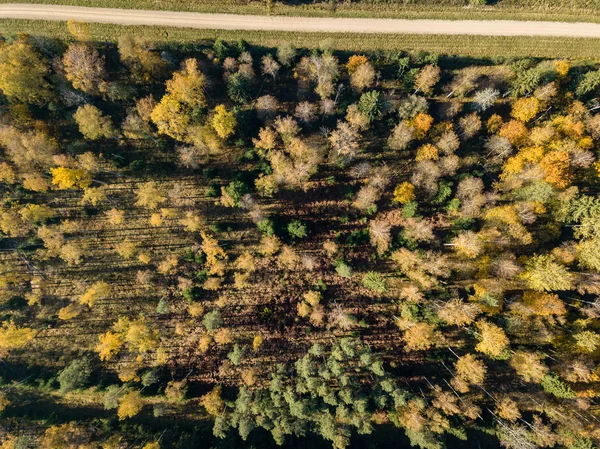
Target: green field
[552, 10]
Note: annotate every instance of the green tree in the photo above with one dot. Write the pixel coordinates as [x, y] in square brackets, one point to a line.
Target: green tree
[552, 384]
[543, 273]
[370, 104]
[92, 123]
[76, 375]
[296, 229]
[236, 355]
[233, 193]
[238, 88]
[212, 320]
[588, 82]
[375, 281]
[22, 73]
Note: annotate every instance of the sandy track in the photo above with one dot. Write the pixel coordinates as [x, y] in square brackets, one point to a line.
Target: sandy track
[298, 24]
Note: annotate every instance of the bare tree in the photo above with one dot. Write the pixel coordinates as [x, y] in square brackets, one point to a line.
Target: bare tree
[305, 111]
[266, 107]
[270, 67]
[486, 98]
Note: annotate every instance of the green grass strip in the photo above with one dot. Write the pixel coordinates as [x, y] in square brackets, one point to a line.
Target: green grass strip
[474, 46]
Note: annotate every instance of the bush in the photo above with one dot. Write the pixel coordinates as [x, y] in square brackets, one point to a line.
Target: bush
[296, 229]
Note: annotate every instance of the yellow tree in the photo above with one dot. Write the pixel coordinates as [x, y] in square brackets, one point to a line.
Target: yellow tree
[110, 344]
[404, 193]
[149, 195]
[97, 291]
[171, 118]
[215, 255]
[185, 92]
[524, 109]
[141, 337]
[139, 56]
[36, 213]
[470, 369]
[529, 366]
[67, 178]
[493, 340]
[79, 30]
[187, 85]
[223, 121]
[71, 253]
[419, 337]
[130, 404]
[354, 61]
[92, 123]
[212, 402]
[557, 168]
[543, 273]
[13, 337]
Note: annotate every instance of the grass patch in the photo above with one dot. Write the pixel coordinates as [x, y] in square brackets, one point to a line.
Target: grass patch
[551, 10]
[474, 46]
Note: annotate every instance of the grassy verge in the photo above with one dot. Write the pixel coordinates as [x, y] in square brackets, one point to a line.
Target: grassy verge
[573, 11]
[475, 46]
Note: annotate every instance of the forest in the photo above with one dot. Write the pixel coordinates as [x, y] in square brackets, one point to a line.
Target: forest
[221, 245]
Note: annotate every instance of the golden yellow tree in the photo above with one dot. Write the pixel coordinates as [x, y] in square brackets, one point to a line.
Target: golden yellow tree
[524, 109]
[67, 178]
[14, 337]
[212, 402]
[493, 339]
[354, 61]
[97, 291]
[404, 193]
[110, 344]
[223, 121]
[130, 404]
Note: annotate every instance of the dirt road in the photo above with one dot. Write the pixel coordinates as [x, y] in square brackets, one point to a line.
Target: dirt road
[298, 24]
